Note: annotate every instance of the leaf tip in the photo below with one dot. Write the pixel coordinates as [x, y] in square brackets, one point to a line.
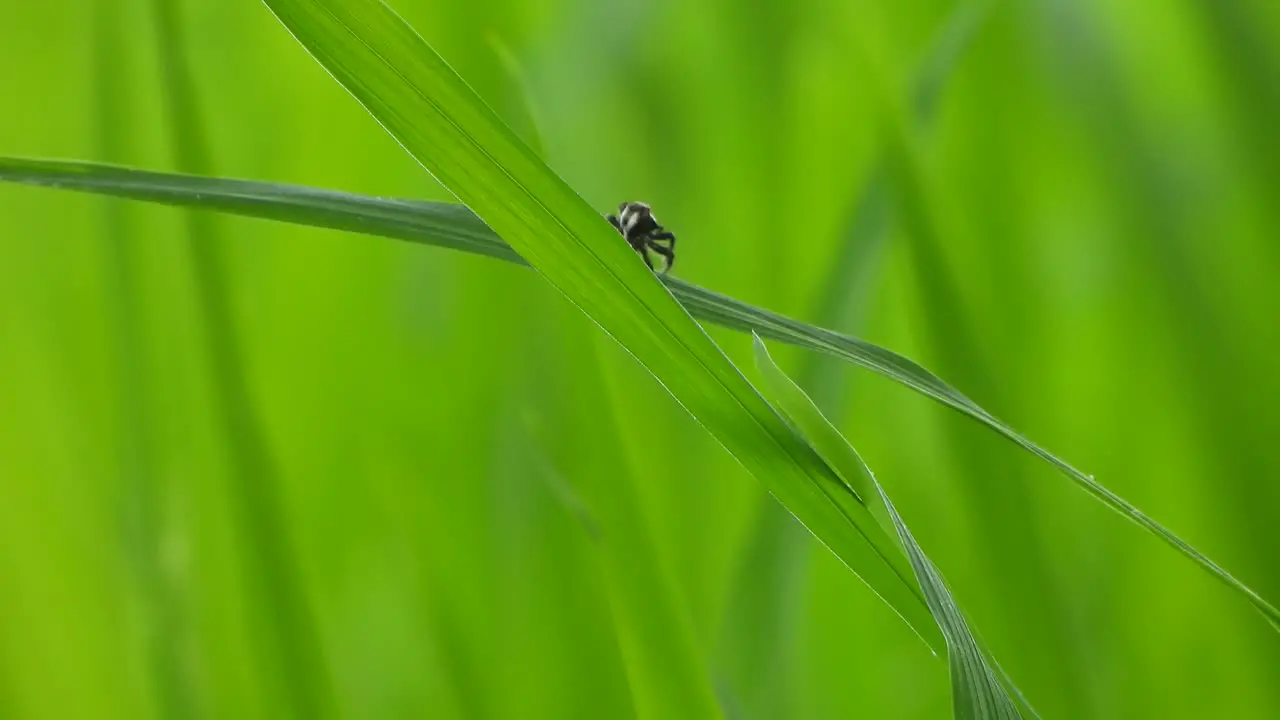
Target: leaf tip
[762, 352]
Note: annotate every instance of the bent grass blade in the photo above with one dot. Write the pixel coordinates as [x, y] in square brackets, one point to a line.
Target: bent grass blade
[453, 226]
[438, 119]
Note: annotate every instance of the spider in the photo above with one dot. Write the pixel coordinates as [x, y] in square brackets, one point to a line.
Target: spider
[637, 224]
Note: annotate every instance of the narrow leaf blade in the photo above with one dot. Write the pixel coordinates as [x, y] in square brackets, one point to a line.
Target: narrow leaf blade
[453, 226]
[448, 129]
[977, 689]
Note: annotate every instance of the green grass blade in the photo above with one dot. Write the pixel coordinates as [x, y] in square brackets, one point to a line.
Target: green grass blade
[977, 690]
[933, 75]
[666, 672]
[453, 226]
[531, 116]
[288, 640]
[758, 632]
[446, 225]
[735, 314]
[787, 396]
[164, 625]
[446, 127]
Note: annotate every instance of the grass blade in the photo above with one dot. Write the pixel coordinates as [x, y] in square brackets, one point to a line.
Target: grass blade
[773, 574]
[976, 685]
[164, 627]
[288, 640]
[455, 227]
[447, 225]
[665, 669]
[447, 128]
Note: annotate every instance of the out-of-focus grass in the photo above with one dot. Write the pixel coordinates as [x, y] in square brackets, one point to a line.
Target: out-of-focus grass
[283, 636]
[447, 578]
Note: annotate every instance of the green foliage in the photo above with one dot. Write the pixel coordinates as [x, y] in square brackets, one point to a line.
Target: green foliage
[976, 684]
[451, 226]
[428, 108]
[262, 470]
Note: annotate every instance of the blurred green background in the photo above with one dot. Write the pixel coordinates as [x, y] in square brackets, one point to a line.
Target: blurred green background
[249, 470]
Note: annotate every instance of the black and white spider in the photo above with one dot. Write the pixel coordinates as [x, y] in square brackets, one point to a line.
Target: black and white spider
[637, 224]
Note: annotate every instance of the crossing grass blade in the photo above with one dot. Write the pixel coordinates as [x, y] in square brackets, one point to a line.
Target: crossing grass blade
[427, 107]
[977, 687]
[455, 227]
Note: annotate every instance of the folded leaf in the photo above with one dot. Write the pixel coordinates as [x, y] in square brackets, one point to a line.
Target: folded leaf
[978, 688]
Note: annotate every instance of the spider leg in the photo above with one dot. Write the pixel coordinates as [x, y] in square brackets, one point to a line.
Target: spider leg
[664, 235]
[644, 253]
[615, 222]
[668, 253]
